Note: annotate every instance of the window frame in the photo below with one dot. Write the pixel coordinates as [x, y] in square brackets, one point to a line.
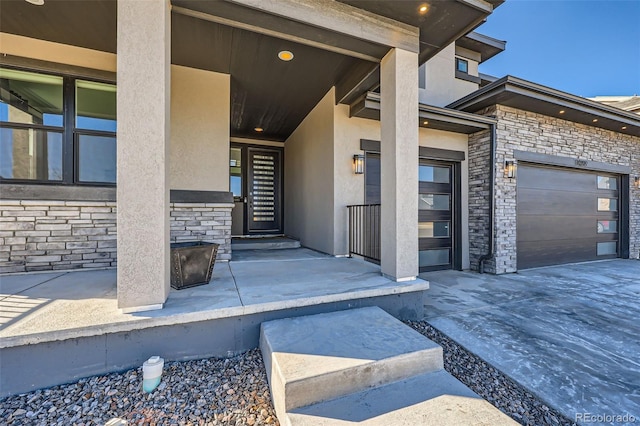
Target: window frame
[70, 152]
[459, 61]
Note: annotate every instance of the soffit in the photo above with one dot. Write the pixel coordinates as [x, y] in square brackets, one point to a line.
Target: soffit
[430, 117]
[487, 47]
[525, 95]
[441, 25]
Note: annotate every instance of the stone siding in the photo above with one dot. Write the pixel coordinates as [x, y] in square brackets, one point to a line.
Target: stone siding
[50, 235]
[479, 181]
[202, 222]
[58, 235]
[527, 131]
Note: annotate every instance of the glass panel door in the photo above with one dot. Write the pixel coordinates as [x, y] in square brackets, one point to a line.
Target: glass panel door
[435, 218]
[264, 201]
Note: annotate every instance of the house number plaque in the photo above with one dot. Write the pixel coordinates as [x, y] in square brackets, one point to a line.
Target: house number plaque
[582, 163]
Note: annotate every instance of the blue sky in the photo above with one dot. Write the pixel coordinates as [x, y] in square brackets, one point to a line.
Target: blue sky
[587, 48]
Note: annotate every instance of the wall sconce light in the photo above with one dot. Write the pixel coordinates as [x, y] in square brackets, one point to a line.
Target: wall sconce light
[510, 169]
[358, 164]
[636, 182]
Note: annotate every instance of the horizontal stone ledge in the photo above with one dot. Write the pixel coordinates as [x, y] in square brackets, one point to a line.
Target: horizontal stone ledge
[93, 194]
[200, 197]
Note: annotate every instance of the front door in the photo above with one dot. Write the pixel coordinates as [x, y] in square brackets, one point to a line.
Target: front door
[435, 215]
[264, 200]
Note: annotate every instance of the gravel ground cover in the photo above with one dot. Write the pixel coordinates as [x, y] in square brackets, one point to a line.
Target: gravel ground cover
[212, 391]
[235, 391]
[505, 394]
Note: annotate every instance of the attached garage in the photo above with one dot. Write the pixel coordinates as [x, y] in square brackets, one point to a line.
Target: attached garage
[566, 215]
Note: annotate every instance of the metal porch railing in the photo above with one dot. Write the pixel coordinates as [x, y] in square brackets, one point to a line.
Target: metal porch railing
[364, 231]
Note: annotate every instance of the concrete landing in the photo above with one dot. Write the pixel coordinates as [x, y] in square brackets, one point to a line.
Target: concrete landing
[428, 399]
[360, 365]
[264, 243]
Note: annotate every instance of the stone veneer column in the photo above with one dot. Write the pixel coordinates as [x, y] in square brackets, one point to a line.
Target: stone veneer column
[399, 164]
[144, 87]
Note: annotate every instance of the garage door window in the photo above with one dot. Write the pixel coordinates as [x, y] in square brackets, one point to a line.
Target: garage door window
[607, 226]
[607, 248]
[607, 204]
[607, 182]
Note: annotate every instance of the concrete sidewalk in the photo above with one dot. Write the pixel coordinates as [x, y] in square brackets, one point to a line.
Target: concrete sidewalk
[570, 334]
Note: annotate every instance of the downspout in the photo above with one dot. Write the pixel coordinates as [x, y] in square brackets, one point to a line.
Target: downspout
[492, 202]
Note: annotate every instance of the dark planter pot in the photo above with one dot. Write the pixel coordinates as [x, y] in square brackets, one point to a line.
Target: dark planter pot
[192, 263]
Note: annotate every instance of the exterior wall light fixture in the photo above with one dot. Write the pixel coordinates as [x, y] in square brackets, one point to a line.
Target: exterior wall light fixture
[636, 182]
[510, 169]
[358, 164]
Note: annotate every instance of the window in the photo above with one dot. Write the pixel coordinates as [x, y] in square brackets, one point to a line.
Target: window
[607, 204]
[433, 174]
[607, 226]
[37, 143]
[608, 248]
[607, 182]
[235, 172]
[462, 65]
[433, 201]
[438, 229]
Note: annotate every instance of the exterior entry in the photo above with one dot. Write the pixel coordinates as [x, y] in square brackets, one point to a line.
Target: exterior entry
[438, 213]
[256, 183]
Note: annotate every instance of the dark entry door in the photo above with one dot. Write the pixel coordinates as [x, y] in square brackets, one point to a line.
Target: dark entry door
[264, 201]
[566, 215]
[435, 215]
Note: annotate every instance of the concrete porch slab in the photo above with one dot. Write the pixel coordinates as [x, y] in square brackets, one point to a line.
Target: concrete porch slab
[51, 317]
[83, 303]
[568, 334]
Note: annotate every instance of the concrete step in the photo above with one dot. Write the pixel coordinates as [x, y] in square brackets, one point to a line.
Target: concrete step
[428, 399]
[264, 243]
[322, 357]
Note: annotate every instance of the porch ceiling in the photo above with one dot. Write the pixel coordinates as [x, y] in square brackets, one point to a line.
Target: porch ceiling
[229, 37]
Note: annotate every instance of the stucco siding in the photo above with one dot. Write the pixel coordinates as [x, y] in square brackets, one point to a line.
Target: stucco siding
[309, 178]
[441, 85]
[200, 111]
[348, 187]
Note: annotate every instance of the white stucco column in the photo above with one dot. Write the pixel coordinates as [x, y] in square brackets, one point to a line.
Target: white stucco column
[144, 87]
[399, 164]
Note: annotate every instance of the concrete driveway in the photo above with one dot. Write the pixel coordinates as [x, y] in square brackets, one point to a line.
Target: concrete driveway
[570, 334]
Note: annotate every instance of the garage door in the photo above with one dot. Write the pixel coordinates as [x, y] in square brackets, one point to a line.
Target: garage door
[565, 216]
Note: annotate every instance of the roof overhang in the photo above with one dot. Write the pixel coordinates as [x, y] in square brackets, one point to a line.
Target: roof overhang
[430, 117]
[486, 46]
[442, 23]
[525, 95]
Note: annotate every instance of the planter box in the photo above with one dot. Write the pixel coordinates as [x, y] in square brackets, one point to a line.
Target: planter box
[192, 263]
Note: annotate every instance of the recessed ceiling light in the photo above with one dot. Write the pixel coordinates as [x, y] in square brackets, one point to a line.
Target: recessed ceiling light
[423, 9]
[624, 127]
[36, 2]
[561, 111]
[595, 120]
[285, 55]
[258, 129]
